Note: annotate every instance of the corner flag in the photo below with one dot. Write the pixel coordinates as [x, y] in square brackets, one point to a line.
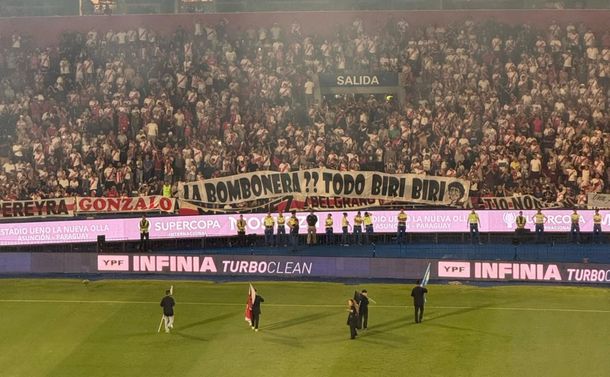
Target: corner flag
[249, 303]
[424, 280]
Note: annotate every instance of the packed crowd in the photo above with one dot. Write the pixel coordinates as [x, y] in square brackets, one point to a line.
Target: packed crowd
[511, 109]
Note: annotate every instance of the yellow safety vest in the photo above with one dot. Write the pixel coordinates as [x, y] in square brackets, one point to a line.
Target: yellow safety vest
[473, 218]
[402, 218]
[281, 220]
[575, 217]
[521, 221]
[329, 222]
[144, 225]
[368, 220]
[241, 225]
[597, 219]
[269, 221]
[167, 191]
[358, 220]
[539, 218]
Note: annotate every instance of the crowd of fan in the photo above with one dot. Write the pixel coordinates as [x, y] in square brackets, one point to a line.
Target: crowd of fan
[513, 109]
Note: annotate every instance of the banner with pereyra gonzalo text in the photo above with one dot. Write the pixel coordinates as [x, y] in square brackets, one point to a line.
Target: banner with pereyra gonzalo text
[411, 188]
[56, 207]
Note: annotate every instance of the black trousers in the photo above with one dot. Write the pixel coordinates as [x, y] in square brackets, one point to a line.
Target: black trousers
[363, 320]
[144, 238]
[419, 313]
[352, 331]
[255, 319]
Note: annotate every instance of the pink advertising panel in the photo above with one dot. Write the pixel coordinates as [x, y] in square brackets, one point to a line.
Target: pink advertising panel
[168, 227]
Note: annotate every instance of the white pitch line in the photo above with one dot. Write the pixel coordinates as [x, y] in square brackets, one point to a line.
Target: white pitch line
[34, 301]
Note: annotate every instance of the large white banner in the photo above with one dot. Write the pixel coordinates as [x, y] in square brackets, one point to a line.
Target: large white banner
[411, 188]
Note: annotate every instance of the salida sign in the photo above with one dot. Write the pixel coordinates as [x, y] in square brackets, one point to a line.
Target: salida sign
[356, 80]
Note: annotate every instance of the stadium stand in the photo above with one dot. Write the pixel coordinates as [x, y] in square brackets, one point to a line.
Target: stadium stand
[512, 108]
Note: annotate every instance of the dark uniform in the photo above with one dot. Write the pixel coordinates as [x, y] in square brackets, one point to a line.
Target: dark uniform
[256, 311]
[363, 318]
[168, 303]
[418, 294]
[352, 320]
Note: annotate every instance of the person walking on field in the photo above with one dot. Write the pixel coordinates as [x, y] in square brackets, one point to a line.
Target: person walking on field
[363, 304]
[352, 318]
[419, 299]
[256, 311]
[312, 221]
[168, 303]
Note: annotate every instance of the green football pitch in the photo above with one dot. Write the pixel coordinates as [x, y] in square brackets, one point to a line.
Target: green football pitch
[67, 328]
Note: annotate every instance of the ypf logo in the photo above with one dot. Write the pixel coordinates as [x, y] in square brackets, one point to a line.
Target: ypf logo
[113, 263]
[453, 269]
[509, 219]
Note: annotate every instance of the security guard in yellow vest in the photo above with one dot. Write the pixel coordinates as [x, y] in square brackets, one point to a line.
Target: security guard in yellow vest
[358, 220]
[368, 227]
[328, 224]
[539, 220]
[167, 190]
[521, 221]
[269, 224]
[345, 229]
[597, 227]
[402, 227]
[575, 227]
[241, 231]
[144, 236]
[473, 223]
[293, 225]
[281, 230]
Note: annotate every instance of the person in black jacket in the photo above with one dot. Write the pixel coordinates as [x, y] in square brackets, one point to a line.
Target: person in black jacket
[167, 303]
[256, 311]
[418, 294]
[352, 318]
[363, 304]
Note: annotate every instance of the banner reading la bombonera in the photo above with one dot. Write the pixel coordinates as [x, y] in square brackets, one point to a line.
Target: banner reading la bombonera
[328, 183]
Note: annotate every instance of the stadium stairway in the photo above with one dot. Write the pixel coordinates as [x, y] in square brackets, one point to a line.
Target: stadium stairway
[528, 252]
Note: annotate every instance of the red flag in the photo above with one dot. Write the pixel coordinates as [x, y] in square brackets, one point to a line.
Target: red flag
[249, 303]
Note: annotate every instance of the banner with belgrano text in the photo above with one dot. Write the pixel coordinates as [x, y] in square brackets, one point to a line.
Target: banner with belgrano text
[411, 188]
